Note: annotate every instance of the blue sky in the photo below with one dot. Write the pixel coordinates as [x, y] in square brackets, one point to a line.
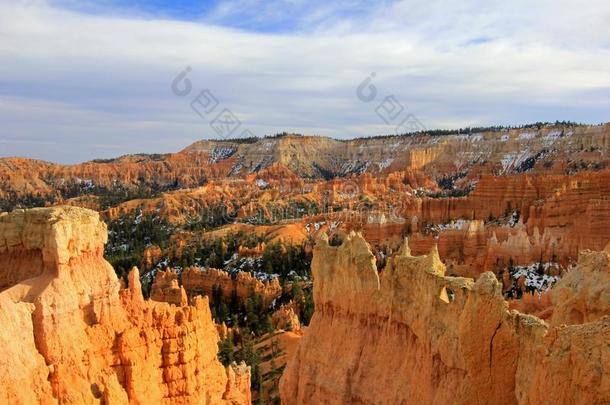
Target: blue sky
[92, 79]
[188, 10]
[256, 16]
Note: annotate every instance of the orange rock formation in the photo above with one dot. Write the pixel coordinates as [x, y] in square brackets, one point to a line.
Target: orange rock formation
[583, 295]
[72, 335]
[285, 318]
[197, 281]
[413, 335]
[151, 257]
[166, 288]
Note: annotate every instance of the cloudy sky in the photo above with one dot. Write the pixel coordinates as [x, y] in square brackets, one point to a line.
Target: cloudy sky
[93, 79]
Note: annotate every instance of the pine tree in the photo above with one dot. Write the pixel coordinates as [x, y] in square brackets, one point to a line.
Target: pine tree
[226, 350]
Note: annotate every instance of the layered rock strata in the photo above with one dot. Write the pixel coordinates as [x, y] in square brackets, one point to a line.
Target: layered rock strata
[71, 334]
[413, 335]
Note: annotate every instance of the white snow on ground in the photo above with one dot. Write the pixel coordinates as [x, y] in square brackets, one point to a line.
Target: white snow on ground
[347, 167]
[551, 137]
[524, 136]
[220, 153]
[533, 279]
[261, 183]
[514, 218]
[237, 168]
[384, 164]
[354, 167]
[504, 138]
[234, 257]
[265, 276]
[469, 137]
[266, 162]
[421, 192]
[309, 227]
[85, 184]
[252, 265]
[513, 160]
[456, 224]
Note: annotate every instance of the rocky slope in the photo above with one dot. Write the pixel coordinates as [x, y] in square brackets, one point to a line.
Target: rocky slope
[458, 158]
[157, 172]
[499, 152]
[72, 334]
[411, 334]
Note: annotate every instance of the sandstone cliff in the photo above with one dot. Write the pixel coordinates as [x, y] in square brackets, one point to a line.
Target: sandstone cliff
[413, 335]
[71, 333]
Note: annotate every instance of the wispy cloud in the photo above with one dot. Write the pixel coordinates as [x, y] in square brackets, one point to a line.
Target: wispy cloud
[76, 76]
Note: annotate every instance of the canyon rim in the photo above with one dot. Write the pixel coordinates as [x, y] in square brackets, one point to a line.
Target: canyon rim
[272, 202]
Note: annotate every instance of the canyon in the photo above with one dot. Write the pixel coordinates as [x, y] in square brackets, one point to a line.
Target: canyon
[466, 266]
[488, 198]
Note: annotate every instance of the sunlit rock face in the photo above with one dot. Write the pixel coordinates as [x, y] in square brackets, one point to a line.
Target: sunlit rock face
[410, 334]
[551, 149]
[243, 285]
[71, 334]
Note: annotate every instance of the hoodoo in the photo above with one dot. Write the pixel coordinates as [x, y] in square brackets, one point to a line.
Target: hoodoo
[71, 334]
[410, 334]
[267, 262]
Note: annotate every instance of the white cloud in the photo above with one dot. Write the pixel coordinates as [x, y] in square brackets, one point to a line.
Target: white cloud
[67, 75]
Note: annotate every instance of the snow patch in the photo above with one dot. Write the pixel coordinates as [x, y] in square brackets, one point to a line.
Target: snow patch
[309, 227]
[525, 136]
[539, 282]
[261, 183]
[384, 164]
[551, 137]
[455, 224]
[221, 153]
[513, 160]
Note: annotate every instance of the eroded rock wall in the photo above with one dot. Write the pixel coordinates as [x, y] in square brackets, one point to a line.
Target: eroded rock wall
[72, 334]
[202, 281]
[413, 335]
[166, 288]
